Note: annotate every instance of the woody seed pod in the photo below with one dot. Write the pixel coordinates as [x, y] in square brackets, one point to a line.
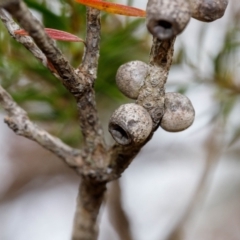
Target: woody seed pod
[130, 77]
[167, 18]
[208, 10]
[130, 123]
[179, 113]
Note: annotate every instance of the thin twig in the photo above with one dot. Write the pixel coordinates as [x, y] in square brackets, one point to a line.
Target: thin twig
[26, 41]
[91, 126]
[73, 82]
[19, 122]
[91, 55]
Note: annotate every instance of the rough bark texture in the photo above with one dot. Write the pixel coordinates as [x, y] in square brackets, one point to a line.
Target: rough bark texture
[152, 93]
[90, 59]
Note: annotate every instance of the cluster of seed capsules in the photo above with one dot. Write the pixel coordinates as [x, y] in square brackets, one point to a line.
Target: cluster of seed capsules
[166, 19]
[132, 123]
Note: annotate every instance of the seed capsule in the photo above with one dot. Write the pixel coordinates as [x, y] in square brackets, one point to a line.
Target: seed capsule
[179, 113]
[130, 77]
[130, 123]
[167, 18]
[208, 10]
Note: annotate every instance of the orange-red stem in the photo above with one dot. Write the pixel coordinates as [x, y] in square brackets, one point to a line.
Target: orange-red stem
[113, 8]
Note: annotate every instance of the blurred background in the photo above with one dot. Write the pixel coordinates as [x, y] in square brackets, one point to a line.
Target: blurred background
[182, 186]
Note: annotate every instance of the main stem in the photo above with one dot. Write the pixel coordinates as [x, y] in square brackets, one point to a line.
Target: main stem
[91, 190]
[89, 201]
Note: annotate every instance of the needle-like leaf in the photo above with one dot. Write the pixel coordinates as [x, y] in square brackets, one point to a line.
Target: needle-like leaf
[113, 8]
[55, 34]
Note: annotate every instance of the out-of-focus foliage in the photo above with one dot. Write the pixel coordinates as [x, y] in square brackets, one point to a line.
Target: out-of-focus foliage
[40, 93]
[223, 78]
[226, 76]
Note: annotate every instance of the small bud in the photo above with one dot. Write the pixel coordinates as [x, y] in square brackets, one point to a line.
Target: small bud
[130, 78]
[130, 123]
[167, 18]
[179, 113]
[208, 10]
